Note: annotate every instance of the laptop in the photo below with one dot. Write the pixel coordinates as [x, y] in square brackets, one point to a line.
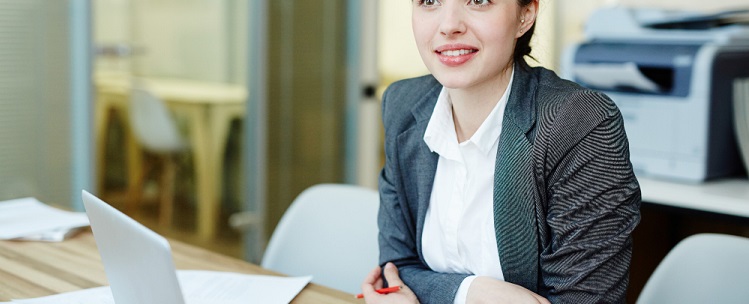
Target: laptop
[137, 261]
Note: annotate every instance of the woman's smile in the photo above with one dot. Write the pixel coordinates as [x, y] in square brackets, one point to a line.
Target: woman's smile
[455, 54]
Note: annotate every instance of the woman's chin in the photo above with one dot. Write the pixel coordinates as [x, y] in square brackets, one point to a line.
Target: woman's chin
[453, 82]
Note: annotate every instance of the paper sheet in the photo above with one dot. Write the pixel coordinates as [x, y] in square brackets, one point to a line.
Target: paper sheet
[615, 75]
[201, 287]
[28, 217]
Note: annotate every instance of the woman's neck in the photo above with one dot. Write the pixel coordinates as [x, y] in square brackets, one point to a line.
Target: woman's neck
[472, 105]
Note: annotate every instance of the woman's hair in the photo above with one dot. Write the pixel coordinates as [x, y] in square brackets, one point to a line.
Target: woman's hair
[523, 45]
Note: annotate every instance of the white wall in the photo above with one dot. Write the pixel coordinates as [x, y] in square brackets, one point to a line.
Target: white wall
[698, 5]
[180, 39]
[111, 18]
[194, 39]
[398, 57]
[111, 27]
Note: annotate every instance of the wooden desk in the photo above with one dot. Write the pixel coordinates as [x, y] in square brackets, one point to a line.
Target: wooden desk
[35, 269]
[208, 108]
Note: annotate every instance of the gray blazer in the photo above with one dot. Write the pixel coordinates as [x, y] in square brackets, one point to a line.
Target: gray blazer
[565, 198]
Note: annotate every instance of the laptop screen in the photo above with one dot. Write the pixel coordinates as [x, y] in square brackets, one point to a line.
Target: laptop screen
[137, 261]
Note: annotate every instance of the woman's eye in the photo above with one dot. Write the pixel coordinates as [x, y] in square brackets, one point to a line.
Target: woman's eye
[480, 2]
[428, 2]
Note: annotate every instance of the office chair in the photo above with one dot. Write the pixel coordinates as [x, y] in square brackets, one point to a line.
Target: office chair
[156, 131]
[703, 268]
[329, 232]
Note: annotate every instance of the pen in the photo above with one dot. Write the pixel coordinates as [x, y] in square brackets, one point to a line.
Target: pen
[382, 291]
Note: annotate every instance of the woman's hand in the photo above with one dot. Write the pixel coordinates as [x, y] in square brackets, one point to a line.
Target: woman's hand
[374, 281]
[490, 290]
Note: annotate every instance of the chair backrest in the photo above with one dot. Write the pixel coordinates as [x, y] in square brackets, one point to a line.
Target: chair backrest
[703, 268]
[329, 232]
[152, 123]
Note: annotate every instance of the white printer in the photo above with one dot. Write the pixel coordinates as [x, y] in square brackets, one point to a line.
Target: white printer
[672, 75]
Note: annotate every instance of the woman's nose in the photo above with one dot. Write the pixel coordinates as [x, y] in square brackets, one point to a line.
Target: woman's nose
[452, 19]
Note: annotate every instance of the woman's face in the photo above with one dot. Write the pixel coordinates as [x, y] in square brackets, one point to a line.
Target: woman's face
[467, 43]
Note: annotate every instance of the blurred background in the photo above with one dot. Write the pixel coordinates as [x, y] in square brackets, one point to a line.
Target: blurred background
[204, 119]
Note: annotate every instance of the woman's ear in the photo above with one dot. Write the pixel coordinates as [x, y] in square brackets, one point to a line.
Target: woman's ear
[528, 15]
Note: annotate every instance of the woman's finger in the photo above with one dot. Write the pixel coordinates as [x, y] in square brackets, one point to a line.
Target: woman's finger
[541, 299]
[392, 276]
[371, 282]
[372, 276]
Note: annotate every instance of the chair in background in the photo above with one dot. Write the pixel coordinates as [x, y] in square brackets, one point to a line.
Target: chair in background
[703, 268]
[156, 131]
[329, 232]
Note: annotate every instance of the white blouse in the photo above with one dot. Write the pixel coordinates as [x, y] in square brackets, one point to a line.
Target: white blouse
[459, 234]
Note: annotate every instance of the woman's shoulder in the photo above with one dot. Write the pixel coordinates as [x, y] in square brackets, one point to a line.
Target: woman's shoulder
[557, 93]
[402, 96]
[566, 110]
[417, 86]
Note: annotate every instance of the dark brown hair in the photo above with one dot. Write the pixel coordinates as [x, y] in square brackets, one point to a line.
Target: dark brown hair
[523, 45]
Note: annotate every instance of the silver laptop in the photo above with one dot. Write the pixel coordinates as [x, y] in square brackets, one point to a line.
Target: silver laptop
[138, 262]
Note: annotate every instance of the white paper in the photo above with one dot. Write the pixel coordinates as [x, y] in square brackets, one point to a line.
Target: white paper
[226, 287]
[201, 287]
[28, 217]
[55, 235]
[612, 76]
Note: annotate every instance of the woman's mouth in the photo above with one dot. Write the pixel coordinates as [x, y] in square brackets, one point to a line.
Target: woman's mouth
[455, 56]
[455, 53]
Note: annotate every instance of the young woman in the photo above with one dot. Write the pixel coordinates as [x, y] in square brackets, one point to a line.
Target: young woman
[502, 182]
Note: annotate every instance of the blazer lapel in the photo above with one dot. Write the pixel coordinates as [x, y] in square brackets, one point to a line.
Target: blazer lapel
[514, 187]
[418, 163]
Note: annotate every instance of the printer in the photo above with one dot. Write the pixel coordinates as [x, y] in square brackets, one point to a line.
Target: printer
[673, 76]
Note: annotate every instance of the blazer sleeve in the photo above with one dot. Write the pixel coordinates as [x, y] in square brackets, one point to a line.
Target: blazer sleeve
[397, 220]
[593, 206]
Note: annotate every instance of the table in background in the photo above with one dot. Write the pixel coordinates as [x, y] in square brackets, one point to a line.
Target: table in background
[672, 211]
[725, 196]
[208, 109]
[36, 269]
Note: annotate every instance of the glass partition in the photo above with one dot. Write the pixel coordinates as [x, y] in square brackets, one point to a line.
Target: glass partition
[44, 100]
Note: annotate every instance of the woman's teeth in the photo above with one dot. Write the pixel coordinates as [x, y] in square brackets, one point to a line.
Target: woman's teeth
[452, 53]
